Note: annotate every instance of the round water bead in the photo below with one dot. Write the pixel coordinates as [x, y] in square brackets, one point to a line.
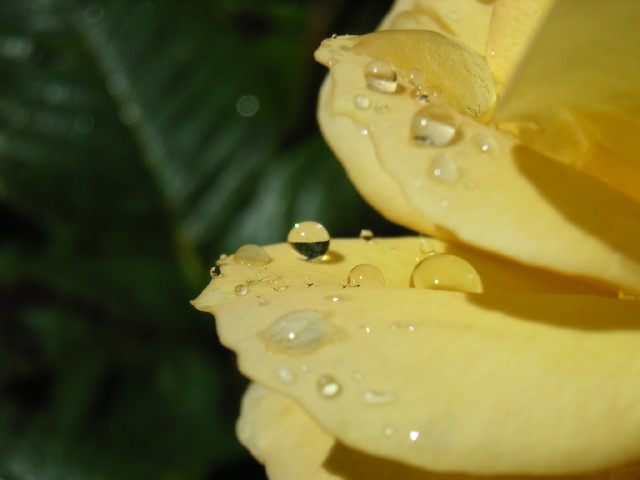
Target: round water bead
[309, 239]
[328, 386]
[444, 169]
[446, 272]
[252, 255]
[215, 271]
[366, 235]
[240, 290]
[381, 76]
[361, 102]
[297, 332]
[365, 275]
[433, 126]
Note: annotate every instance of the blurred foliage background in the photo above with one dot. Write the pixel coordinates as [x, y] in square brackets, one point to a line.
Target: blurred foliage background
[138, 141]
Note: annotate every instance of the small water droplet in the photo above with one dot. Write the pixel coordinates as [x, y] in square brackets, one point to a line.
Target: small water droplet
[364, 131]
[428, 246]
[252, 255]
[433, 126]
[374, 397]
[278, 284]
[381, 76]
[361, 102]
[414, 435]
[485, 142]
[261, 300]
[446, 272]
[328, 386]
[308, 282]
[367, 329]
[388, 431]
[366, 235]
[240, 290]
[335, 298]
[309, 239]
[365, 275]
[419, 94]
[416, 77]
[298, 331]
[625, 295]
[215, 271]
[285, 374]
[444, 169]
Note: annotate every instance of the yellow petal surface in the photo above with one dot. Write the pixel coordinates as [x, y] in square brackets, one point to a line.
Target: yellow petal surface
[281, 435]
[481, 187]
[491, 383]
[574, 93]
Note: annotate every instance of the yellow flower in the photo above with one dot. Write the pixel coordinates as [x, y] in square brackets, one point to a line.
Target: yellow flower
[507, 348]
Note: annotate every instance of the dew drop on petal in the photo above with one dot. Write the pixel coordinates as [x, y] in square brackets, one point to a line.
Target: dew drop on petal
[431, 126]
[446, 272]
[285, 374]
[365, 275]
[381, 76]
[366, 235]
[374, 397]
[215, 271]
[484, 142]
[414, 435]
[328, 386]
[335, 298]
[443, 169]
[278, 284]
[252, 255]
[361, 102]
[240, 290]
[419, 95]
[309, 239]
[297, 332]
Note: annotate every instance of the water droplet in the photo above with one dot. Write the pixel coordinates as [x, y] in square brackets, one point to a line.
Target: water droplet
[215, 271]
[381, 76]
[485, 142]
[335, 298]
[446, 272]
[419, 95]
[308, 282]
[416, 77]
[240, 290]
[278, 284]
[625, 295]
[403, 326]
[298, 331]
[361, 102]
[365, 275]
[309, 239]
[328, 386]
[428, 246]
[366, 235]
[366, 329]
[373, 397]
[364, 131]
[252, 255]
[444, 169]
[414, 435]
[285, 374]
[433, 126]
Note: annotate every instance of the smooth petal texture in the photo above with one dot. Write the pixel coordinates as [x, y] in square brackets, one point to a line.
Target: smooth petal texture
[574, 94]
[492, 383]
[502, 197]
[280, 434]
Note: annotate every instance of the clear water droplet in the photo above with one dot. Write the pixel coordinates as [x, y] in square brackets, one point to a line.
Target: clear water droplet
[278, 284]
[375, 397]
[365, 275]
[446, 272]
[335, 298]
[485, 142]
[443, 169]
[366, 235]
[309, 239]
[428, 246]
[215, 271]
[297, 332]
[240, 290]
[433, 126]
[381, 76]
[625, 295]
[328, 386]
[361, 102]
[414, 435]
[285, 375]
[419, 94]
[417, 77]
[252, 255]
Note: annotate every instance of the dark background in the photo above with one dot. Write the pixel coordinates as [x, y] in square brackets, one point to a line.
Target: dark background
[131, 156]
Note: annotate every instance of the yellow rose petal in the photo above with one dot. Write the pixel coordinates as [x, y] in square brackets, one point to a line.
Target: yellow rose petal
[281, 435]
[491, 383]
[466, 181]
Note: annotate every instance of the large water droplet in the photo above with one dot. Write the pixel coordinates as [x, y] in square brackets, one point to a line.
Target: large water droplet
[328, 386]
[309, 239]
[240, 290]
[297, 332]
[444, 169]
[446, 272]
[374, 397]
[361, 102]
[365, 275]
[252, 255]
[433, 126]
[381, 76]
